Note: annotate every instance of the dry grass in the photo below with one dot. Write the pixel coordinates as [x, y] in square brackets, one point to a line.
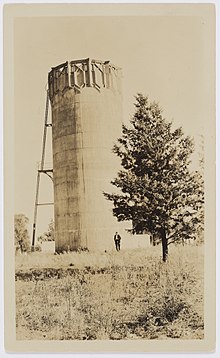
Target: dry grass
[125, 295]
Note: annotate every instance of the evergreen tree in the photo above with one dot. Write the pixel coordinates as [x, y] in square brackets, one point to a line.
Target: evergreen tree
[156, 189]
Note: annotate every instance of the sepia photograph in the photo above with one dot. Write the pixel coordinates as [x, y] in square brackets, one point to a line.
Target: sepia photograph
[110, 177]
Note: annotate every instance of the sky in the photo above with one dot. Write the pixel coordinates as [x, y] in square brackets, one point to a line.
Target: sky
[164, 57]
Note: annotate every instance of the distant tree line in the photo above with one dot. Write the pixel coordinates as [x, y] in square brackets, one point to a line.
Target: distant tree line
[22, 238]
[47, 235]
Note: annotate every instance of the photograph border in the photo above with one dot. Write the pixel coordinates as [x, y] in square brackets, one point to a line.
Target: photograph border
[11, 11]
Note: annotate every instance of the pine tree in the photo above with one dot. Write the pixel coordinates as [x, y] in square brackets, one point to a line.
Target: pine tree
[156, 189]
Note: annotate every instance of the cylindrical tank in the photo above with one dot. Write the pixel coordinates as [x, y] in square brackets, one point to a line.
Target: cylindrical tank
[86, 104]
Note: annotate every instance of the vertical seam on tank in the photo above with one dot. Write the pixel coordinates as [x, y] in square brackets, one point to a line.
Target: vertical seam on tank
[83, 168]
[77, 151]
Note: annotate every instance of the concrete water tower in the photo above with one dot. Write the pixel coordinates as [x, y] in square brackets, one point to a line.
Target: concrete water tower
[86, 104]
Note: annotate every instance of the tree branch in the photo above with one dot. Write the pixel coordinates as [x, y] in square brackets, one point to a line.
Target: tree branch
[171, 242]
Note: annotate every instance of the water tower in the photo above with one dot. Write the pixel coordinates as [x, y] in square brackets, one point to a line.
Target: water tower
[86, 103]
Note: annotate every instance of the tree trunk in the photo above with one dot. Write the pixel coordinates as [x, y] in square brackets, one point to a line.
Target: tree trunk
[20, 246]
[164, 245]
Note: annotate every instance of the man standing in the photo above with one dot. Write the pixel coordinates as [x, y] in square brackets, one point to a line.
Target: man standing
[117, 239]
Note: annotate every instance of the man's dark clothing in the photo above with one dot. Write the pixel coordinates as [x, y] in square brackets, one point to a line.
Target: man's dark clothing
[117, 239]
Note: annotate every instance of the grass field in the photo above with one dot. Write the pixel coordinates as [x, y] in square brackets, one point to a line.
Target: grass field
[114, 295]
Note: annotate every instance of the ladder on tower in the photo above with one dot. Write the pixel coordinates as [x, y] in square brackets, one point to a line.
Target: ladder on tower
[42, 170]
